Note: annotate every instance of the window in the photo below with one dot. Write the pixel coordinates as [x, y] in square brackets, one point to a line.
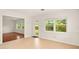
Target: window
[61, 25]
[36, 29]
[58, 25]
[49, 25]
[19, 26]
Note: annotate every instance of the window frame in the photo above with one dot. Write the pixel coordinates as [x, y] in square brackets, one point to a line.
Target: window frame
[54, 25]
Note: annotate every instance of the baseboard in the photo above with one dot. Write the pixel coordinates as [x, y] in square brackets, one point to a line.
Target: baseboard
[61, 41]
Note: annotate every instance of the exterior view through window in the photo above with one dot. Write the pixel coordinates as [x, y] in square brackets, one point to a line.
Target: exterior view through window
[19, 26]
[58, 25]
[49, 25]
[61, 25]
[37, 28]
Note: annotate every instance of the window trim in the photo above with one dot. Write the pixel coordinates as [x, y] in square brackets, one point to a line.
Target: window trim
[54, 26]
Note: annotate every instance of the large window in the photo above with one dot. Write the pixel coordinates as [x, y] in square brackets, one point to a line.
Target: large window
[61, 25]
[58, 25]
[49, 25]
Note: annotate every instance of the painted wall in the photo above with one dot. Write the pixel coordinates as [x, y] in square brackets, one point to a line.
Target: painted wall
[0, 29]
[28, 27]
[8, 25]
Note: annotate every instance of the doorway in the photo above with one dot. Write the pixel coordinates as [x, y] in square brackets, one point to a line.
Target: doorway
[36, 29]
[13, 28]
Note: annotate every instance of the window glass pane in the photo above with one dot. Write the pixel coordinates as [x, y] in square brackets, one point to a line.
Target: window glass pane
[37, 28]
[49, 25]
[22, 26]
[61, 25]
[19, 26]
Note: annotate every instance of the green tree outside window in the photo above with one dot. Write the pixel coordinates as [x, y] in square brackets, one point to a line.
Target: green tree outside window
[58, 25]
[61, 25]
[19, 26]
[49, 25]
[37, 28]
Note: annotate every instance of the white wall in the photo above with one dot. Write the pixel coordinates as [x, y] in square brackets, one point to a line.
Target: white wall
[0, 29]
[8, 25]
[28, 27]
[72, 34]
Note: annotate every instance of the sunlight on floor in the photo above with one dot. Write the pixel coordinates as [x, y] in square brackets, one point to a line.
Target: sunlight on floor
[37, 42]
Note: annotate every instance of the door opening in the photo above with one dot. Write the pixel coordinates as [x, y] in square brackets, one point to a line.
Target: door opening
[36, 29]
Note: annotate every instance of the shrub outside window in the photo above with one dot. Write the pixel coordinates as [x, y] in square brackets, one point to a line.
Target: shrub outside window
[19, 26]
[58, 25]
[61, 25]
[49, 25]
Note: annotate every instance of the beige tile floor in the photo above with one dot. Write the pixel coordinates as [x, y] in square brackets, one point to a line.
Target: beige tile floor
[31, 43]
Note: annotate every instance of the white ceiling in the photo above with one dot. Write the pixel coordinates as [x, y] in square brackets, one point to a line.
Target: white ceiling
[33, 12]
[39, 10]
[11, 18]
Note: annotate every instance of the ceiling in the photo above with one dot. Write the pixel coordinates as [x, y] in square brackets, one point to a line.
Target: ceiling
[39, 10]
[11, 18]
[33, 12]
